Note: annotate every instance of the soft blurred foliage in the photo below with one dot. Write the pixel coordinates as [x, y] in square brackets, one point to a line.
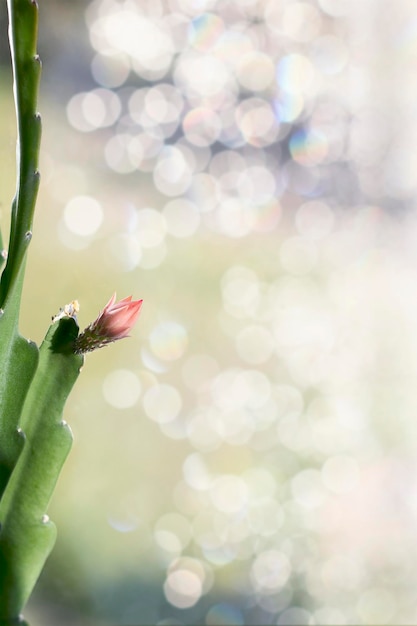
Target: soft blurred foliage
[248, 167]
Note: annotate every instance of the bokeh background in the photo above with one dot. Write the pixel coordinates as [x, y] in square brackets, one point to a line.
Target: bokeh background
[249, 168]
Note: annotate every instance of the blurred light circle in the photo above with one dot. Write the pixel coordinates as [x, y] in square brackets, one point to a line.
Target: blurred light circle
[292, 434]
[162, 403]
[228, 183]
[260, 483]
[204, 191]
[232, 46]
[183, 588]
[255, 344]
[236, 426]
[217, 553]
[177, 23]
[94, 109]
[328, 615]
[125, 524]
[289, 401]
[201, 156]
[288, 106]
[234, 218]
[273, 14]
[227, 162]
[204, 31]
[309, 148]
[171, 530]
[175, 429]
[203, 430]
[336, 8]
[135, 153]
[205, 531]
[143, 148]
[255, 71]
[111, 105]
[256, 185]
[117, 155]
[125, 30]
[314, 219]
[150, 228]
[121, 388]
[340, 474]
[189, 7]
[301, 21]
[83, 215]
[224, 614]
[265, 517]
[295, 73]
[295, 616]
[110, 70]
[257, 121]
[241, 291]
[377, 605]
[136, 105]
[163, 103]
[201, 126]
[234, 389]
[275, 603]
[270, 571]
[229, 494]
[203, 76]
[313, 332]
[343, 571]
[268, 215]
[307, 489]
[168, 341]
[309, 366]
[76, 114]
[172, 174]
[196, 472]
[182, 218]
[231, 134]
[168, 541]
[154, 68]
[257, 387]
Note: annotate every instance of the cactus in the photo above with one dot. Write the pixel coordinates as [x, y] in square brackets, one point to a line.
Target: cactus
[18, 357]
[27, 536]
[35, 383]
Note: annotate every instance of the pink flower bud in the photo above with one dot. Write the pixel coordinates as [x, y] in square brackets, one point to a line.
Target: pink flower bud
[114, 322]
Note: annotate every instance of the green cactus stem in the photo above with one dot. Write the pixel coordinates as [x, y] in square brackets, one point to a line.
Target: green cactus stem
[27, 535]
[2, 257]
[23, 29]
[18, 357]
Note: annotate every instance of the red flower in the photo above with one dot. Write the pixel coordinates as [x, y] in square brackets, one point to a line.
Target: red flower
[114, 322]
[117, 318]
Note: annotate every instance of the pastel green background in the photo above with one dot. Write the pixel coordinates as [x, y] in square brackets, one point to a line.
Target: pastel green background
[248, 456]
